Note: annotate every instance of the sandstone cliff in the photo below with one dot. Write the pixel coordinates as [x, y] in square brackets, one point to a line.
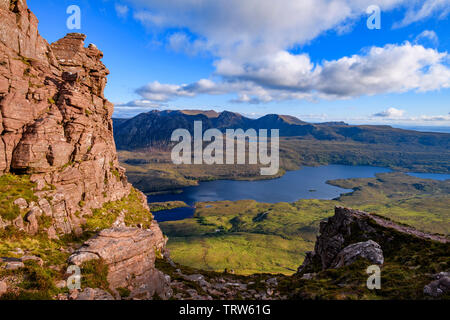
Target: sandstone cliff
[56, 138]
[63, 185]
[55, 123]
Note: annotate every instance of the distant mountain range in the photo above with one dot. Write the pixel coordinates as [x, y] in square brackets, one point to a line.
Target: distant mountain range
[154, 129]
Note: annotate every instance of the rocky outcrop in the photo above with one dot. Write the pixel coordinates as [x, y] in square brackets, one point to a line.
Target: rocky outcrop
[335, 235]
[55, 123]
[352, 234]
[130, 254]
[334, 246]
[438, 287]
[56, 127]
[94, 294]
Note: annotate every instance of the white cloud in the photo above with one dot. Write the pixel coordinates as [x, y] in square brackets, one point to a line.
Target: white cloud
[388, 69]
[239, 29]
[251, 39]
[399, 116]
[121, 10]
[390, 113]
[385, 117]
[132, 108]
[427, 37]
[441, 120]
[445, 118]
[141, 104]
[424, 9]
[156, 91]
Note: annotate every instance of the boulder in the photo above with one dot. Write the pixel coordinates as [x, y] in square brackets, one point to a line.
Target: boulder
[439, 286]
[342, 239]
[94, 294]
[14, 265]
[21, 203]
[130, 255]
[32, 218]
[38, 260]
[369, 250]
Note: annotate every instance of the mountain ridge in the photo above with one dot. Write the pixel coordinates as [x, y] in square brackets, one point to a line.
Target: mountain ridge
[66, 201]
[154, 128]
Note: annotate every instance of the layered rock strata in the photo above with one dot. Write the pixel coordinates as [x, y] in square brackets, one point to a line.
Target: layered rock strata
[55, 123]
[56, 129]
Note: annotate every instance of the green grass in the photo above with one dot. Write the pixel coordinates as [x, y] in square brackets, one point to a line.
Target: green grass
[159, 206]
[232, 235]
[94, 274]
[38, 245]
[409, 264]
[256, 237]
[421, 203]
[123, 292]
[13, 187]
[250, 237]
[132, 208]
[246, 253]
[35, 282]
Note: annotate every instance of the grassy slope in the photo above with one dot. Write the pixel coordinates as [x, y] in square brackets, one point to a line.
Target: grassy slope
[239, 236]
[38, 282]
[250, 241]
[409, 263]
[421, 203]
[218, 236]
[13, 187]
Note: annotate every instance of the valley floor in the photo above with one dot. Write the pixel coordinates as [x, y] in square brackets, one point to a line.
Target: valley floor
[249, 237]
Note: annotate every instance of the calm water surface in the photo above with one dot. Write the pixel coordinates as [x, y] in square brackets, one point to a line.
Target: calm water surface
[433, 176]
[306, 183]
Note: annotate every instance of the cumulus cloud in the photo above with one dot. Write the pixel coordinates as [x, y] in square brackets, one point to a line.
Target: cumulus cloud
[421, 119]
[242, 28]
[251, 42]
[389, 116]
[388, 69]
[156, 91]
[142, 103]
[390, 113]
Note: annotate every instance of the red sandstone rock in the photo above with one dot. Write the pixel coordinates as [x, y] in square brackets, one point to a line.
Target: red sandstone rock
[54, 120]
[55, 124]
[130, 256]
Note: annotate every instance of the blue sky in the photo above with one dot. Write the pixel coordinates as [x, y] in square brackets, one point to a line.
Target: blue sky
[316, 60]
